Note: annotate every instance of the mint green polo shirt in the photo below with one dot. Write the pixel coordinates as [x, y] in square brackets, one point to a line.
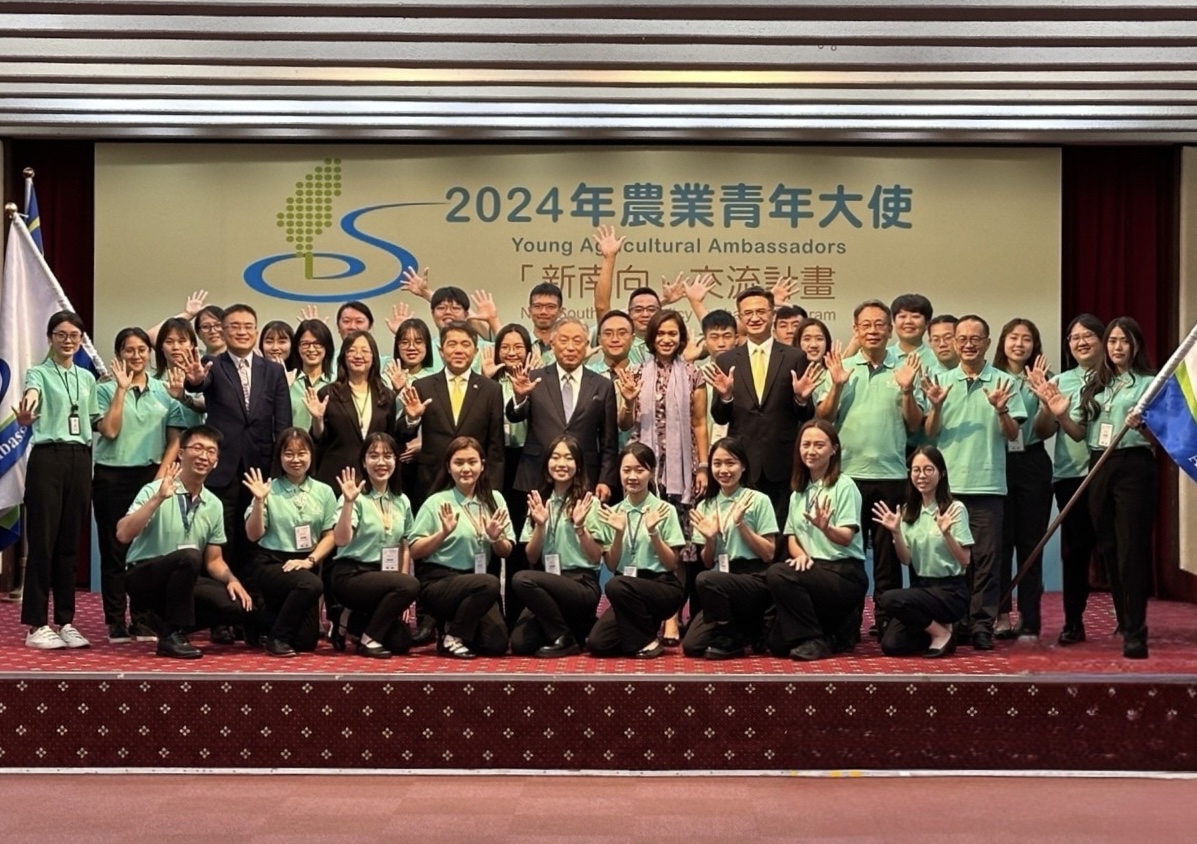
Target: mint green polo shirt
[869, 419]
[59, 390]
[759, 516]
[468, 538]
[1030, 403]
[560, 537]
[168, 529]
[1071, 457]
[637, 547]
[1114, 404]
[300, 417]
[370, 533]
[145, 416]
[845, 512]
[929, 553]
[288, 506]
[970, 435]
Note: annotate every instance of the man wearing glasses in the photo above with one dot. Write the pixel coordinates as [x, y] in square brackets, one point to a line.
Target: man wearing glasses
[176, 530]
[972, 413]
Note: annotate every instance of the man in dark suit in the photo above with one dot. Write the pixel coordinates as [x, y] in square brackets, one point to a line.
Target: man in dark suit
[456, 402]
[762, 393]
[247, 401]
[567, 398]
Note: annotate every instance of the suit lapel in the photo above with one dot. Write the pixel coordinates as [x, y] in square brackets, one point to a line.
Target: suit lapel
[469, 399]
[773, 370]
[229, 367]
[552, 383]
[742, 362]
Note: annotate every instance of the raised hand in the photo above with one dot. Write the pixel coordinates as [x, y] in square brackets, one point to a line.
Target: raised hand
[606, 241]
[166, 488]
[395, 375]
[195, 303]
[739, 509]
[448, 517]
[258, 486]
[721, 382]
[195, 368]
[413, 405]
[805, 385]
[495, 524]
[907, 372]
[535, 361]
[310, 312]
[537, 511]
[176, 382]
[1037, 378]
[946, 519]
[783, 290]
[581, 509]
[673, 291]
[655, 516]
[489, 365]
[707, 525]
[1055, 401]
[120, 374]
[484, 306]
[350, 488]
[628, 384]
[934, 392]
[602, 492]
[416, 283]
[400, 314]
[834, 360]
[802, 562]
[615, 519]
[26, 410]
[821, 517]
[999, 396]
[1039, 366]
[887, 518]
[521, 385]
[698, 289]
[314, 404]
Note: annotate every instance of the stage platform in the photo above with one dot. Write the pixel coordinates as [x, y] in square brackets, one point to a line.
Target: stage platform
[1024, 706]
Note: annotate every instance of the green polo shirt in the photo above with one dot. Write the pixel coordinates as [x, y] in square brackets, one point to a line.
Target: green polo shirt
[1114, 404]
[145, 416]
[759, 516]
[168, 530]
[188, 416]
[929, 553]
[61, 389]
[560, 537]
[468, 538]
[637, 353]
[288, 506]
[970, 435]
[1071, 458]
[1030, 403]
[926, 354]
[637, 544]
[845, 512]
[300, 417]
[869, 418]
[514, 433]
[371, 512]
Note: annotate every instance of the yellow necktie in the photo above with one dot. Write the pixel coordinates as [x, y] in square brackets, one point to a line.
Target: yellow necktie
[456, 397]
[758, 372]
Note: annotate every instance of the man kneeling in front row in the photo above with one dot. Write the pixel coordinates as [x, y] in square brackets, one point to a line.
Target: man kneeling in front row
[176, 528]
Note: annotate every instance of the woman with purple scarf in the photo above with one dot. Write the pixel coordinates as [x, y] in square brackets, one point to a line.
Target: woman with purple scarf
[665, 407]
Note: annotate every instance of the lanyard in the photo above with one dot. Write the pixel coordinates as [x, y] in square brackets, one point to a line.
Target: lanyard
[299, 498]
[555, 514]
[383, 504]
[479, 522]
[723, 519]
[1114, 389]
[187, 508]
[633, 533]
[66, 388]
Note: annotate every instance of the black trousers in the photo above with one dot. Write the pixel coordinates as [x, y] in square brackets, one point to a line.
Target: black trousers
[57, 489]
[813, 604]
[911, 611]
[985, 520]
[517, 508]
[887, 568]
[638, 606]
[555, 605]
[1122, 505]
[165, 586]
[113, 491]
[735, 600]
[238, 551]
[214, 606]
[1077, 541]
[291, 599]
[381, 596]
[1025, 517]
[779, 496]
[465, 605]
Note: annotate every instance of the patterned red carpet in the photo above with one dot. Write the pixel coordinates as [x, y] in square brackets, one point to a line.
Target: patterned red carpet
[1173, 652]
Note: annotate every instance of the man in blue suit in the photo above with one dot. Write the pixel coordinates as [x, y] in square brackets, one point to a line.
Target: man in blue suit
[247, 401]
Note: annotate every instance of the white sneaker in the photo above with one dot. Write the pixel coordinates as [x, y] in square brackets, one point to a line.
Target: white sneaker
[44, 639]
[72, 637]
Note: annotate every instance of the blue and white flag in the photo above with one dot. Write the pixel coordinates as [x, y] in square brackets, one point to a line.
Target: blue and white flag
[1169, 406]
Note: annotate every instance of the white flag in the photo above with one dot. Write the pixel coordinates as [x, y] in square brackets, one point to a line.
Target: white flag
[29, 296]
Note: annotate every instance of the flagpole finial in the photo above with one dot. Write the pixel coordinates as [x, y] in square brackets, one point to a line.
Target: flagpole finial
[28, 171]
[10, 208]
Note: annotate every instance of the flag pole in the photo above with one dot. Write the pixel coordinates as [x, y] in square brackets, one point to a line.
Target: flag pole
[1165, 373]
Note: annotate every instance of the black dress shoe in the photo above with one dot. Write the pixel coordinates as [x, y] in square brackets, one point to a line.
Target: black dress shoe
[1071, 635]
[424, 634]
[375, 652]
[277, 647]
[561, 646]
[670, 641]
[982, 641]
[653, 651]
[725, 647]
[947, 650]
[453, 647]
[1006, 634]
[811, 650]
[221, 635]
[176, 646]
[1135, 649]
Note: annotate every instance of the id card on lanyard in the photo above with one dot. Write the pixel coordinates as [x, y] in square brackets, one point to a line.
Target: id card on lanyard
[481, 558]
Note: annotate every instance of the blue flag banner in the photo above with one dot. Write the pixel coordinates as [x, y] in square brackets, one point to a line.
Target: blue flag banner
[1170, 407]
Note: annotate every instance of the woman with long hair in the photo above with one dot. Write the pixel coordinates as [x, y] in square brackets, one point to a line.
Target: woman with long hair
[818, 589]
[173, 349]
[562, 593]
[932, 536]
[455, 533]
[276, 342]
[371, 573]
[642, 542]
[737, 530]
[813, 338]
[1122, 495]
[412, 359]
[314, 353]
[1028, 502]
[291, 521]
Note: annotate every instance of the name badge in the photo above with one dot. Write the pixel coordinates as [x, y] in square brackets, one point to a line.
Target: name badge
[480, 561]
[73, 425]
[1016, 445]
[506, 430]
[303, 537]
[718, 432]
[724, 563]
[629, 571]
[552, 563]
[187, 546]
[1105, 435]
[390, 558]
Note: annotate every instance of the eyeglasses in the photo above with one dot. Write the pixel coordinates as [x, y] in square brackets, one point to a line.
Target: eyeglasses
[644, 309]
[448, 308]
[310, 344]
[872, 326]
[760, 313]
[388, 457]
[970, 341]
[196, 449]
[63, 337]
[923, 470]
[208, 327]
[1080, 338]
